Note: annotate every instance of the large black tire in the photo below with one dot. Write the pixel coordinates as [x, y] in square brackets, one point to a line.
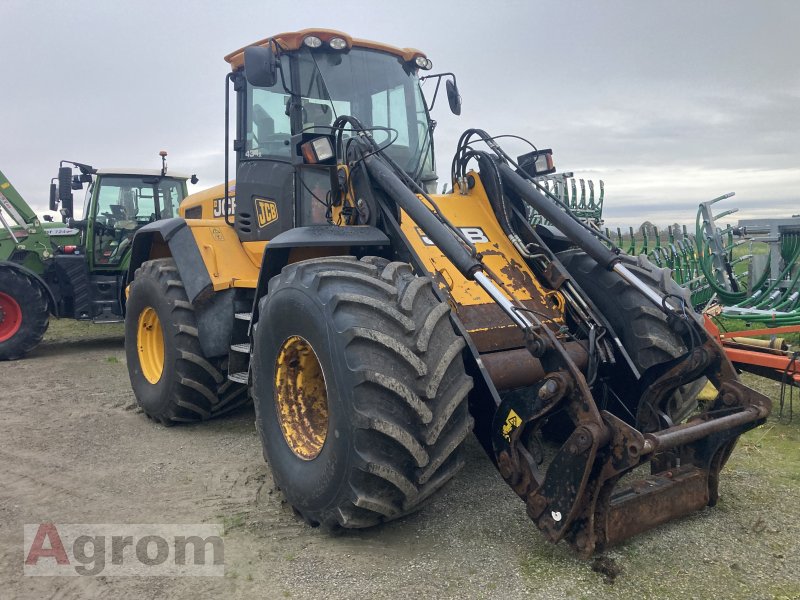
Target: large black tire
[641, 326]
[24, 314]
[393, 374]
[191, 387]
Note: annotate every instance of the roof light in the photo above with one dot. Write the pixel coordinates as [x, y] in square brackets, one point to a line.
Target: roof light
[312, 41]
[423, 63]
[338, 43]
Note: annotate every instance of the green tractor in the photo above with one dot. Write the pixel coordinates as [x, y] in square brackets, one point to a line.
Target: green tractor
[75, 269]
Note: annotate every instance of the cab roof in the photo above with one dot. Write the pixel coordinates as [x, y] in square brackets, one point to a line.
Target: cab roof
[294, 40]
[140, 172]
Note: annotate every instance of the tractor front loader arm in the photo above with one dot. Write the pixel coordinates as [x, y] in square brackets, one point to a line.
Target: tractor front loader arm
[435, 226]
[577, 497]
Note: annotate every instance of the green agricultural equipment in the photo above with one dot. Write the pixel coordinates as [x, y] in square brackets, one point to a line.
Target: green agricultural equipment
[78, 268]
[750, 286]
[687, 254]
[768, 290]
[564, 188]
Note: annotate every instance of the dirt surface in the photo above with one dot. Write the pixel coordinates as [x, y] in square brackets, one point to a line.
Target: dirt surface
[74, 448]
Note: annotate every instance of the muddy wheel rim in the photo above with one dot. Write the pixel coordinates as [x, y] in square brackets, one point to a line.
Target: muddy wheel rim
[150, 345]
[301, 398]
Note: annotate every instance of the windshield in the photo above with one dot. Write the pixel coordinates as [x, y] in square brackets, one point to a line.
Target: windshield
[379, 89]
[126, 203]
[134, 199]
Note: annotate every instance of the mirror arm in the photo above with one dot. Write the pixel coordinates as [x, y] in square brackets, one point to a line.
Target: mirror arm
[438, 77]
[226, 202]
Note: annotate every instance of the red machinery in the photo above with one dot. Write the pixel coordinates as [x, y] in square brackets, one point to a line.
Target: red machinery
[770, 359]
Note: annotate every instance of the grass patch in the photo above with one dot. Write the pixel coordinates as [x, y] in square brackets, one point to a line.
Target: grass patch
[234, 521]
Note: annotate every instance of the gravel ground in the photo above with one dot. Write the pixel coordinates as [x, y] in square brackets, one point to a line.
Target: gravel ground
[74, 448]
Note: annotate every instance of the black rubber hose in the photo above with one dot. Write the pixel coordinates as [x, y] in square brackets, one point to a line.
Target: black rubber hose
[492, 182]
[564, 222]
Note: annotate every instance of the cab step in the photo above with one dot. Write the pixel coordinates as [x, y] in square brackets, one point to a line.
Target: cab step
[240, 377]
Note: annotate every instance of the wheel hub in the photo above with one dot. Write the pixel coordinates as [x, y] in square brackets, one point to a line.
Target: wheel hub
[301, 398]
[150, 345]
[10, 317]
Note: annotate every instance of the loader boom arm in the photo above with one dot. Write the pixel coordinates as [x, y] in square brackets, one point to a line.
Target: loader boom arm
[13, 204]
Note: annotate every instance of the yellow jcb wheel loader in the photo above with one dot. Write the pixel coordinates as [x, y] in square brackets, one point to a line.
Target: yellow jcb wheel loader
[377, 323]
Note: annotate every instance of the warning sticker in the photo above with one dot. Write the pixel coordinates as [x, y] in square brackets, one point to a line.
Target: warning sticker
[512, 422]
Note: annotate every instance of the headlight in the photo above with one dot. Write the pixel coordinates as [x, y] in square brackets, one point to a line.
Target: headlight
[338, 43]
[423, 63]
[312, 41]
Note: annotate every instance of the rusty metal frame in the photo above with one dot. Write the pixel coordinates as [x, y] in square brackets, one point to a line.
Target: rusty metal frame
[577, 498]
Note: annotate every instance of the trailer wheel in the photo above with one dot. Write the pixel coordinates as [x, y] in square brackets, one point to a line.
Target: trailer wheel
[359, 389]
[642, 328]
[171, 378]
[24, 314]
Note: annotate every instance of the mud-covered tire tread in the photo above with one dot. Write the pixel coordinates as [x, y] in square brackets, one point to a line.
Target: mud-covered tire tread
[33, 302]
[641, 326]
[201, 388]
[408, 429]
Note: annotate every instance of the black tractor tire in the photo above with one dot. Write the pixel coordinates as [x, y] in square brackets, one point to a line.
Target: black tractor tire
[641, 326]
[394, 384]
[191, 387]
[25, 301]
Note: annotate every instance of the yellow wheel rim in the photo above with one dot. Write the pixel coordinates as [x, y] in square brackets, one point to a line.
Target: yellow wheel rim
[150, 344]
[301, 398]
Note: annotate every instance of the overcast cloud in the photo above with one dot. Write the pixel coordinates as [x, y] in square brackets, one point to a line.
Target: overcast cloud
[670, 103]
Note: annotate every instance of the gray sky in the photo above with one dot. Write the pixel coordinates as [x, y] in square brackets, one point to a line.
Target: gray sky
[670, 103]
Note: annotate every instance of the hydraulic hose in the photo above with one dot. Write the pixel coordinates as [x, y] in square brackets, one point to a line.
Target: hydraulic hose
[440, 235]
[560, 219]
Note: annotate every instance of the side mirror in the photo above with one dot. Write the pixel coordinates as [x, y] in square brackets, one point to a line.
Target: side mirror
[194, 180]
[260, 66]
[453, 97]
[53, 196]
[65, 190]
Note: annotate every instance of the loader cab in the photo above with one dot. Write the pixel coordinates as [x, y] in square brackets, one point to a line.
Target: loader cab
[318, 77]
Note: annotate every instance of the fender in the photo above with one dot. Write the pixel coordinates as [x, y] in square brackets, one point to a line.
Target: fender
[149, 242]
[51, 299]
[276, 254]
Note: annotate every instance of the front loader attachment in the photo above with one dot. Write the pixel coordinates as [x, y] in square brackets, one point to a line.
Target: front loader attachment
[579, 497]
[604, 352]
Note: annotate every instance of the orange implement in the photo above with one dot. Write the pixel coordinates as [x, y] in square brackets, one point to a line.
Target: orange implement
[771, 363]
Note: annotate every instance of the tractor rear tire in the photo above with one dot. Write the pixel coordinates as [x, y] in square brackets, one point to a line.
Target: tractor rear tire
[171, 378]
[642, 327]
[24, 314]
[359, 389]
